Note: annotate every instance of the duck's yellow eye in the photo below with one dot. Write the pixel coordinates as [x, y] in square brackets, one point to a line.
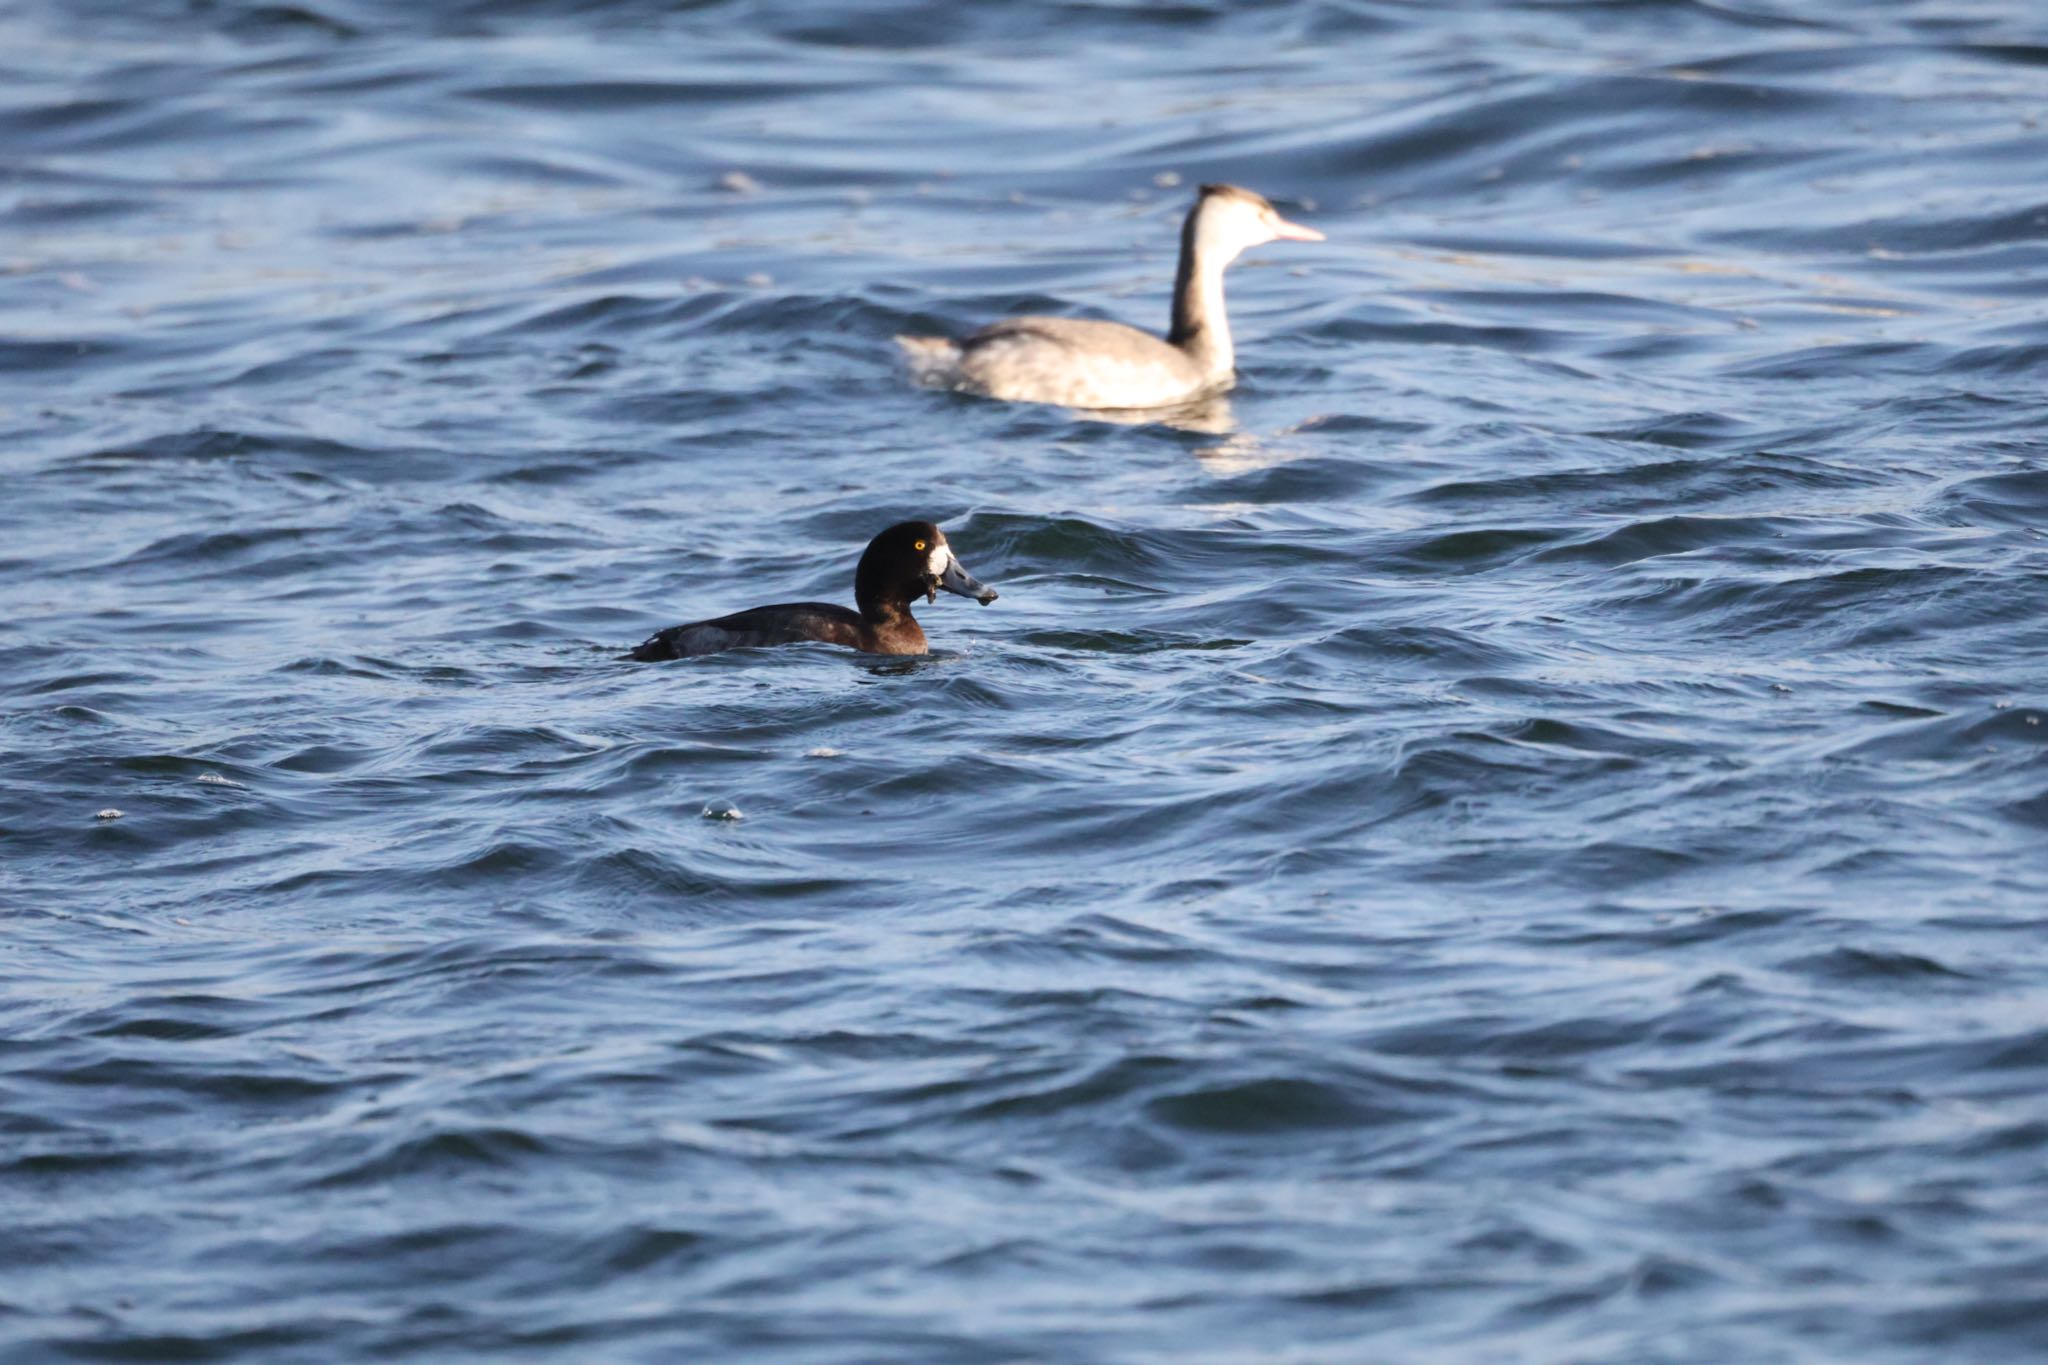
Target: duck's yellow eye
[918, 546]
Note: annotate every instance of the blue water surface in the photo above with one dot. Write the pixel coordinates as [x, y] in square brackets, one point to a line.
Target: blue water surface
[1521, 837]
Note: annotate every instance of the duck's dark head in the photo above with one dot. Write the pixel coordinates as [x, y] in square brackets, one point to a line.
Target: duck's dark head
[909, 560]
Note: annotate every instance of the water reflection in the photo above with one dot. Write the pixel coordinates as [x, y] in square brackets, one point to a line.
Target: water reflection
[1209, 416]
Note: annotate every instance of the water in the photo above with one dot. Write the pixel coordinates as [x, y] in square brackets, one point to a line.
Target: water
[1522, 841]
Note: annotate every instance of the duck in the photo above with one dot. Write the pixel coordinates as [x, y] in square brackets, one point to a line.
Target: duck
[909, 560]
[1083, 363]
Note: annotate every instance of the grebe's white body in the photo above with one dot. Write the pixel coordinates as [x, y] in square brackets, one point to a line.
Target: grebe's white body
[1081, 363]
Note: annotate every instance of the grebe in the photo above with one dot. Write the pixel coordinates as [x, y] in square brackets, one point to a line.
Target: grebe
[1082, 363]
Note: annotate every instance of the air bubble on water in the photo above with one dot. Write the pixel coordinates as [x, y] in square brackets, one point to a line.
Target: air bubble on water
[108, 814]
[722, 810]
[824, 751]
[739, 182]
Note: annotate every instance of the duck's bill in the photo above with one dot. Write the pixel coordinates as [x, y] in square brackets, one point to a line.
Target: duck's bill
[957, 579]
[1295, 232]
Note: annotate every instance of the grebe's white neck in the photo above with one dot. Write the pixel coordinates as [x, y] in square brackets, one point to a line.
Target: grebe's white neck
[1224, 223]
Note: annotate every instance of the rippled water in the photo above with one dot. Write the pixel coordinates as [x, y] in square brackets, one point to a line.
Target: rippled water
[1524, 840]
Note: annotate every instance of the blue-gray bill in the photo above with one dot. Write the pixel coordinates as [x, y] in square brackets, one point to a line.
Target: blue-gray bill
[957, 579]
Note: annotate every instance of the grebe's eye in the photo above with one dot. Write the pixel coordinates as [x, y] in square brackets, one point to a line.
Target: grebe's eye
[918, 546]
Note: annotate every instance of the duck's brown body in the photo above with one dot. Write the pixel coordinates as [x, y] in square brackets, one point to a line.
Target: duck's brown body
[786, 623]
[907, 561]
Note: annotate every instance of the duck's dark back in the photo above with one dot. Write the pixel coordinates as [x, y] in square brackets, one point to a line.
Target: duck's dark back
[785, 623]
